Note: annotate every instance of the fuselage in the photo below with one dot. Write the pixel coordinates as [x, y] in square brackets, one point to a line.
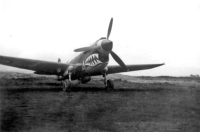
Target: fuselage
[93, 62]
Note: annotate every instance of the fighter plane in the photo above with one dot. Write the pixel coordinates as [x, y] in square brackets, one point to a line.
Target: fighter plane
[91, 61]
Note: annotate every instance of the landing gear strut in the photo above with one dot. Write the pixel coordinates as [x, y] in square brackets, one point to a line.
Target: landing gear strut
[109, 85]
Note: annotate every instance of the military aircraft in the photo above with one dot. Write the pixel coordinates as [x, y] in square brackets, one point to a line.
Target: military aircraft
[91, 61]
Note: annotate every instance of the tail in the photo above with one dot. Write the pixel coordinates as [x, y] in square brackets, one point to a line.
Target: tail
[59, 60]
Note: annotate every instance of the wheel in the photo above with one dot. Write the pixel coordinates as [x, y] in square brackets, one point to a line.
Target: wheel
[110, 85]
[66, 85]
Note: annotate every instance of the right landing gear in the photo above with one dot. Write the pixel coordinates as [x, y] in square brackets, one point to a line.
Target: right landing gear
[110, 85]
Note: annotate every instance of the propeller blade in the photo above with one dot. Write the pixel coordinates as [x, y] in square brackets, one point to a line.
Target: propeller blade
[84, 49]
[109, 28]
[118, 60]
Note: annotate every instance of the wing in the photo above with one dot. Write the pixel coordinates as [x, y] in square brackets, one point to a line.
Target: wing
[117, 69]
[40, 67]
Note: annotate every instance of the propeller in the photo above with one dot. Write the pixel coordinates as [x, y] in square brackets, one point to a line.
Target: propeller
[107, 46]
[113, 54]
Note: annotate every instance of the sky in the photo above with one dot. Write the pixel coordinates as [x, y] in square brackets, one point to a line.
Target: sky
[143, 32]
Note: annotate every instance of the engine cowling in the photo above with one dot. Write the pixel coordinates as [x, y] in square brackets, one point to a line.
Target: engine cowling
[85, 79]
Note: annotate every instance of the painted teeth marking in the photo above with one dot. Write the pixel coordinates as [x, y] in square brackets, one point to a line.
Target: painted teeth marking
[93, 60]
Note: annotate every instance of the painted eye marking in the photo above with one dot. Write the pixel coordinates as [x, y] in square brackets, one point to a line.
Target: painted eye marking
[93, 60]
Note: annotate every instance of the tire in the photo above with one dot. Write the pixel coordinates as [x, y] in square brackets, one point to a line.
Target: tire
[110, 85]
[66, 85]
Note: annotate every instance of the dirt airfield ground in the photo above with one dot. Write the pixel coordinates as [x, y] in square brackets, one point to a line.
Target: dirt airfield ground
[31, 103]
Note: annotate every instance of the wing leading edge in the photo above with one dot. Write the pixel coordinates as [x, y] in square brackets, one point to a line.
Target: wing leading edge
[40, 67]
[118, 69]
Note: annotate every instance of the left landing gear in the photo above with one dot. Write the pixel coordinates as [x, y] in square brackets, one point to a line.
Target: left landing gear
[66, 85]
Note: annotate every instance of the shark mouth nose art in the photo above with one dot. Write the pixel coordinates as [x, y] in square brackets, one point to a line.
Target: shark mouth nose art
[93, 60]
